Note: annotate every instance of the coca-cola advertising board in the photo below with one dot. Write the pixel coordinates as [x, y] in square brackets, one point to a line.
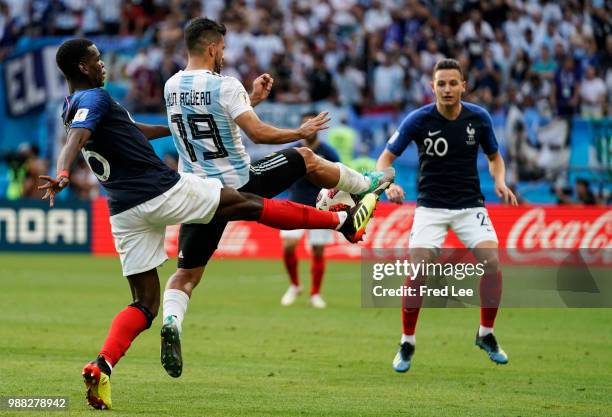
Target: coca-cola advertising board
[535, 232]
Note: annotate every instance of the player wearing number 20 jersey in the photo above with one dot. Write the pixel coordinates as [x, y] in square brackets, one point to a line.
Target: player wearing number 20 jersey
[448, 134]
[201, 107]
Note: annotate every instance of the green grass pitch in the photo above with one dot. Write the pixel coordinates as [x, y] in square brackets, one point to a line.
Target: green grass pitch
[245, 355]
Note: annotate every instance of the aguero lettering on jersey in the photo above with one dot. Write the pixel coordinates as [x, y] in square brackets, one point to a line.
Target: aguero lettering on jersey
[189, 98]
[448, 153]
[118, 153]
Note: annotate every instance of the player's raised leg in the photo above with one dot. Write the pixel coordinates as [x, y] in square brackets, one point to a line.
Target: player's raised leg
[326, 174]
[286, 215]
[125, 327]
[490, 296]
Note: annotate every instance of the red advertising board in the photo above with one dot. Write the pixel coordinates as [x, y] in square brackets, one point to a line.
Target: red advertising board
[533, 230]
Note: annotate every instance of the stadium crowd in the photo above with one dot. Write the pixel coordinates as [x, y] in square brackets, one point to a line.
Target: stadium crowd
[550, 58]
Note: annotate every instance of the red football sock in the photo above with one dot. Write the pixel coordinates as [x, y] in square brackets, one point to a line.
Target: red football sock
[490, 297]
[125, 327]
[291, 263]
[287, 215]
[317, 270]
[411, 306]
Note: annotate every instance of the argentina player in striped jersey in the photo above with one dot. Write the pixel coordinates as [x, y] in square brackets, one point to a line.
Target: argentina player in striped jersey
[205, 114]
[447, 134]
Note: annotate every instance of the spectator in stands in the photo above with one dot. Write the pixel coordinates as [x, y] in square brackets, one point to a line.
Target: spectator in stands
[430, 56]
[584, 195]
[170, 64]
[24, 167]
[280, 71]
[592, 94]
[91, 19]
[296, 94]
[387, 77]
[475, 34]
[136, 16]
[248, 66]
[566, 87]
[267, 43]
[320, 81]
[111, 16]
[488, 74]
[170, 31]
[237, 39]
[520, 66]
[349, 83]
[377, 17]
[145, 93]
[544, 65]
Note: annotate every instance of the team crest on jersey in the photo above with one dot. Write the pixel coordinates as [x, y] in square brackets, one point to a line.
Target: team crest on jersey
[471, 135]
[80, 115]
[245, 98]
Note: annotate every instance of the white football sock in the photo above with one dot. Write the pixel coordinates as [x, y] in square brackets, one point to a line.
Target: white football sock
[175, 304]
[483, 331]
[352, 181]
[408, 338]
[342, 216]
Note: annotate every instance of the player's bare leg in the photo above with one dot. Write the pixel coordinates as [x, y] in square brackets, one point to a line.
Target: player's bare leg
[487, 253]
[291, 264]
[126, 326]
[326, 174]
[411, 306]
[317, 270]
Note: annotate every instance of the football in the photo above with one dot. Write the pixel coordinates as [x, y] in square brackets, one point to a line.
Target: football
[334, 200]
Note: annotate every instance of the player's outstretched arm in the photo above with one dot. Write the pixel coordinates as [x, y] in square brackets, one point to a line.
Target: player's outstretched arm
[497, 169]
[260, 132]
[154, 131]
[262, 86]
[77, 138]
[395, 193]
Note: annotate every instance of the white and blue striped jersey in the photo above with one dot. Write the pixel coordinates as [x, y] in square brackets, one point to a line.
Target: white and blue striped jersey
[201, 107]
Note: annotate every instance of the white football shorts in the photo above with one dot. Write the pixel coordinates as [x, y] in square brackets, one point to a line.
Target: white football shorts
[471, 225]
[316, 237]
[140, 231]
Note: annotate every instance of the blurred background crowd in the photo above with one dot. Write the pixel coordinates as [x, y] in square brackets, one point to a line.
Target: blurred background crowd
[537, 64]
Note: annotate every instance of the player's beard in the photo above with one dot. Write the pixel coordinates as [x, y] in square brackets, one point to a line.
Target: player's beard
[218, 65]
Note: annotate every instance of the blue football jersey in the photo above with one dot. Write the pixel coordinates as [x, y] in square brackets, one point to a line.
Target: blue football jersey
[448, 151]
[118, 153]
[305, 192]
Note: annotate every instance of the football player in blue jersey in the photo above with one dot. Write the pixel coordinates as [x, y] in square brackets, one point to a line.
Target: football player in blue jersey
[448, 134]
[305, 192]
[206, 112]
[144, 196]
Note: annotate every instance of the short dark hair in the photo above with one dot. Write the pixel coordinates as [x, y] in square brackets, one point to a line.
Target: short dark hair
[70, 54]
[447, 63]
[202, 29]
